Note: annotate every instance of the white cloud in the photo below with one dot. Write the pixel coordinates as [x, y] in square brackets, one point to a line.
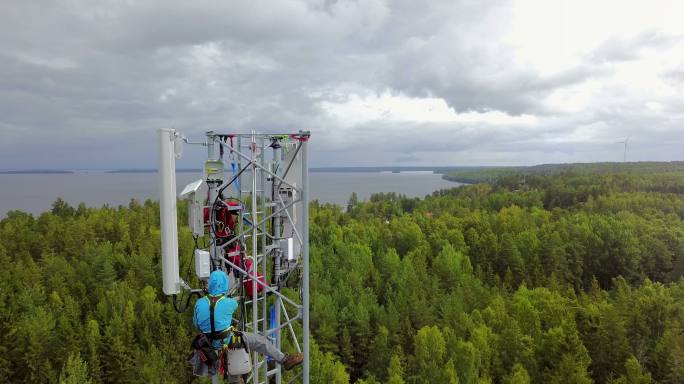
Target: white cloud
[400, 108]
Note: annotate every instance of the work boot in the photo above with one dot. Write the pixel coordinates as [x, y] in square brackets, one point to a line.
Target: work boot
[291, 361]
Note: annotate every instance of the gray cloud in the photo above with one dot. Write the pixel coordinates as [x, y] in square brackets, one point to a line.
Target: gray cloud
[85, 84]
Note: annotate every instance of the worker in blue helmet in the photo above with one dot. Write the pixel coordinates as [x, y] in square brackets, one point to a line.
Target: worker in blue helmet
[214, 315]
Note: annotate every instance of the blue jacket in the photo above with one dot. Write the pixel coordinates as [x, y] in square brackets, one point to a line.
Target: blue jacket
[223, 309]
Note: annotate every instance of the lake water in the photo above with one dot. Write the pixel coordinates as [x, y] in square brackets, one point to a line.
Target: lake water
[35, 193]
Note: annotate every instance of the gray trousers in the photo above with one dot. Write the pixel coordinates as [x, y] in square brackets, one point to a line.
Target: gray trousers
[260, 344]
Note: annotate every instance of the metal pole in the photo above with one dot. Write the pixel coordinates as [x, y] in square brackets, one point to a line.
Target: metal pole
[276, 263]
[262, 194]
[305, 260]
[213, 251]
[255, 265]
[213, 192]
[210, 145]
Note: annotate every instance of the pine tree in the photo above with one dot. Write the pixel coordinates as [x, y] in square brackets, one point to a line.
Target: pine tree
[633, 373]
[395, 371]
[75, 371]
[93, 345]
[379, 354]
[518, 376]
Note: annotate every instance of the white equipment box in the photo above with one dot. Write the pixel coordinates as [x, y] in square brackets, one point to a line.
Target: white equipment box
[202, 264]
[287, 247]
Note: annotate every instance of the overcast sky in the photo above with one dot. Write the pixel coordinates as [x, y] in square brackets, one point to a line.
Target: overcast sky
[85, 84]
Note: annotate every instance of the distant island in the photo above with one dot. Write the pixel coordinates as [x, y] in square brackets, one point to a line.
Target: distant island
[153, 170]
[34, 172]
[395, 169]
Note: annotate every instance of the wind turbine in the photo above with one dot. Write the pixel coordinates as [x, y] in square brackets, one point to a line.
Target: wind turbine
[625, 141]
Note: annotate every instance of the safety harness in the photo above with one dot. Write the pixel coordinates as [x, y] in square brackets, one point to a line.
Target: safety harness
[235, 337]
[203, 345]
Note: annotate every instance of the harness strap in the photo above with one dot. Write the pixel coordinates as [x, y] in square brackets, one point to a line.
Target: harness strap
[213, 300]
[221, 335]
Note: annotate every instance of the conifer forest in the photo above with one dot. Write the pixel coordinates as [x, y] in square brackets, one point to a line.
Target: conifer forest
[570, 277]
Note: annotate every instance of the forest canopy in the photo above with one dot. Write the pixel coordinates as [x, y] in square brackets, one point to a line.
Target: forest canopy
[569, 277]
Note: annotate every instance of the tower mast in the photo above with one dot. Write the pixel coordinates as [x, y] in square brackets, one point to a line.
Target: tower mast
[267, 246]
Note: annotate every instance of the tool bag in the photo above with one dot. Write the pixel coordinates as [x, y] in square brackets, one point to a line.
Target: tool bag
[236, 360]
[206, 352]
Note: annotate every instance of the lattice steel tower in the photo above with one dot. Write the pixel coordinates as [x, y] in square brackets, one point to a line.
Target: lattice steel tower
[252, 206]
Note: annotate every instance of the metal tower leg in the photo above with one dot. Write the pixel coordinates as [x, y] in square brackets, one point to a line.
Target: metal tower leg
[276, 263]
[264, 259]
[255, 261]
[305, 260]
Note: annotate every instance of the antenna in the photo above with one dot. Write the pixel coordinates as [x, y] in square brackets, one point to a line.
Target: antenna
[255, 213]
[167, 209]
[625, 141]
